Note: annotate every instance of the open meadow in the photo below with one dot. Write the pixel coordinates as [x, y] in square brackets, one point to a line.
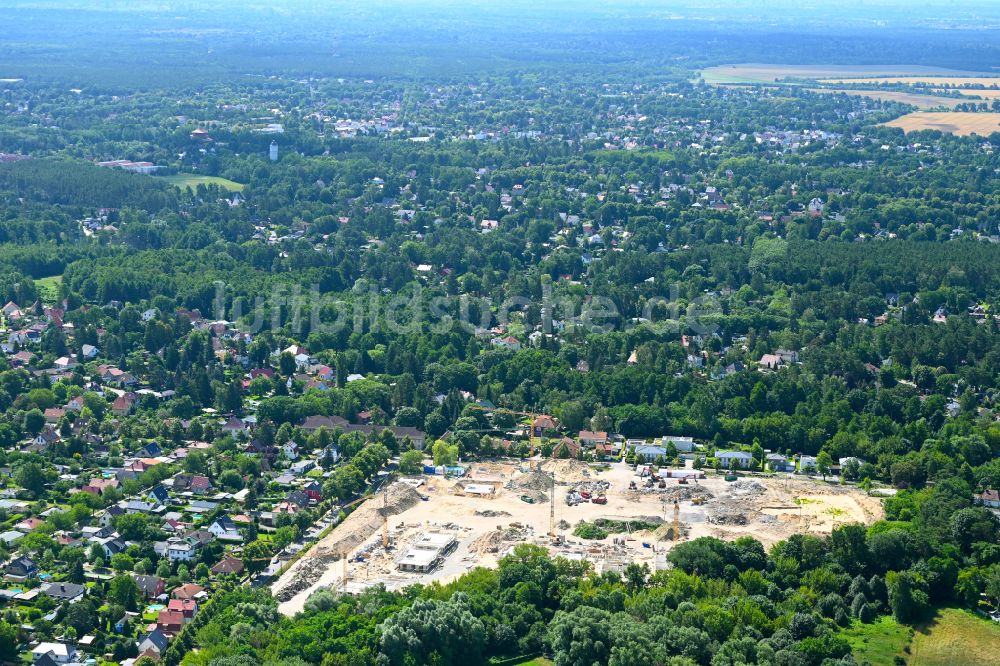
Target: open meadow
[192, 181]
[953, 637]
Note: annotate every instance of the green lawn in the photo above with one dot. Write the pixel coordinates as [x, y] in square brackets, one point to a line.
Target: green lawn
[48, 288]
[954, 637]
[191, 181]
[878, 642]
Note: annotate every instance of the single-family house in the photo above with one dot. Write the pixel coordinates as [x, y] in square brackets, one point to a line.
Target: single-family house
[742, 459]
[224, 528]
[60, 653]
[153, 643]
[228, 566]
[681, 444]
[779, 463]
[592, 439]
[543, 423]
[70, 592]
[188, 591]
[186, 607]
[170, 622]
[150, 586]
[21, 569]
[989, 498]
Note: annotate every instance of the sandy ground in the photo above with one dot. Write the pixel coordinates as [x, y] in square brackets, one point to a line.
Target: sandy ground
[769, 509]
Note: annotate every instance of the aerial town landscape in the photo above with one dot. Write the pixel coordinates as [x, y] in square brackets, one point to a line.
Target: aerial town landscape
[634, 333]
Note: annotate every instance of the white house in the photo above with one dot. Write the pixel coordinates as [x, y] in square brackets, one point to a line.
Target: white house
[224, 528]
[149, 314]
[807, 463]
[58, 652]
[682, 444]
[726, 458]
[179, 550]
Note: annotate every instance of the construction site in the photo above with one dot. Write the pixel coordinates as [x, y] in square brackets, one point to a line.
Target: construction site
[434, 528]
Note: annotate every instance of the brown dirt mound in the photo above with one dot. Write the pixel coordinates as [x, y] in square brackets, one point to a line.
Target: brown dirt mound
[367, 519]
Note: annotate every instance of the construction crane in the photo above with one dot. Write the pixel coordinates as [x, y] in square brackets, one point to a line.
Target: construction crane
[677, 518]
[503, 410]
[385, 516]
[385, 529]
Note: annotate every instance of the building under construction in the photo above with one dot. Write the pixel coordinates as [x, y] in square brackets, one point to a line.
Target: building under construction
[427, 551]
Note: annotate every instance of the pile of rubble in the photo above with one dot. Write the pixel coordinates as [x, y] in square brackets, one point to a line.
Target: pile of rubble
[303, 574]
[568, 470]
[534, 484]
[747, 488]
[497, 540]
[727, 515]
[490, 513]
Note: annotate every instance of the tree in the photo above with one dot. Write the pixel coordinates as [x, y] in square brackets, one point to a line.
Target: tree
[131, 526]
[8, 642]
[81, 616]
[908, 602]
[580, 637]
[444, 453]
[824, 463]
[31, 477]
[757, 451]
[256, 555]
[34, 421]
[434, 632]
[411, 462]
[992, 587]
[124, 592]
[121, 562]
[635, 576]
[286, 364]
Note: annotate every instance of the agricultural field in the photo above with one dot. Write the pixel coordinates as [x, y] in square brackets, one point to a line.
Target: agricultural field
[917, 100]
[975, 92]
[767, 73]
[955, 122]
[191, 181]
[930, 80]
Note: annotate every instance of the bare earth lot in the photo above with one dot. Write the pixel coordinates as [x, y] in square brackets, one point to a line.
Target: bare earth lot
[769, 509]
[955, 122]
